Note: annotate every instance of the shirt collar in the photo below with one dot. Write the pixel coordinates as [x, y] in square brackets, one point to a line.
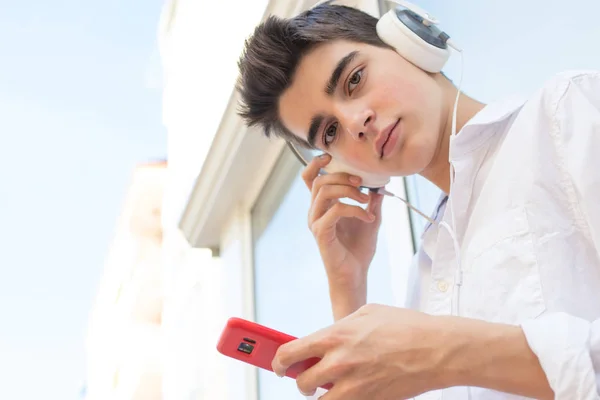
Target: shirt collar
[473, 133]
[437, 214]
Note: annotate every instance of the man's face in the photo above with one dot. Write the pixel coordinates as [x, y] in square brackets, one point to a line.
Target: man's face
[367, 106]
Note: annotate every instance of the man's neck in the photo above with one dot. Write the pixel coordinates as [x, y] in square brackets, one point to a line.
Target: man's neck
[438, 171]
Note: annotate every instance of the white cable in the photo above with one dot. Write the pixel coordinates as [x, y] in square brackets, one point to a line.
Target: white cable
[451, 43]
[415, 209]
[455, 299]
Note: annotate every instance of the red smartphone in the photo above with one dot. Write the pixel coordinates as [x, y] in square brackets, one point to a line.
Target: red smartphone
[256, 344]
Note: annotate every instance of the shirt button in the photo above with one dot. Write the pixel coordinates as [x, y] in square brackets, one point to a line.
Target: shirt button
[442, 286]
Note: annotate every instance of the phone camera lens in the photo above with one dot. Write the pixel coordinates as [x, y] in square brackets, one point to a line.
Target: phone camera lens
[245, 348]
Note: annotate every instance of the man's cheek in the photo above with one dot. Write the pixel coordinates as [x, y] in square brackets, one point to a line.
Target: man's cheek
[359, 157]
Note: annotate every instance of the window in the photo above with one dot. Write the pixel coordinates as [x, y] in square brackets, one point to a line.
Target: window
[291, 291]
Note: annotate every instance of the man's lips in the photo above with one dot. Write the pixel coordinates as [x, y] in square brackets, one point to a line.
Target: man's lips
[384, 137]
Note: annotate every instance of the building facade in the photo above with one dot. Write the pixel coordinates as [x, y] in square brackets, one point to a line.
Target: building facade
[124, 338]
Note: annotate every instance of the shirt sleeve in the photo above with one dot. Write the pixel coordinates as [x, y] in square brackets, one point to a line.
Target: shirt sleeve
[568, 347]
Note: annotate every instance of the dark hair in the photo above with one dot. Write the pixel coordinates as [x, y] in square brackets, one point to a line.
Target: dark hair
[272, 54]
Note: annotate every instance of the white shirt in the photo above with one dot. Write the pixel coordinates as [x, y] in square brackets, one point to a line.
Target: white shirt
[526, 202]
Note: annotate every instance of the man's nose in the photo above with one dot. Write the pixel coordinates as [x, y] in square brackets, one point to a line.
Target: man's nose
[358, 123]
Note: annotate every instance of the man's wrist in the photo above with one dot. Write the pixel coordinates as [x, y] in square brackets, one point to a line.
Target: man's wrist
[347, 295]
[493, 356]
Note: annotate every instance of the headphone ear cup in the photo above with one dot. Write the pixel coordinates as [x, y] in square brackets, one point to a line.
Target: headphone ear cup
[422, 45]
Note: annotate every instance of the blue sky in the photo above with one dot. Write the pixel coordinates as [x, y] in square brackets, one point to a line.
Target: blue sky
[78, 110]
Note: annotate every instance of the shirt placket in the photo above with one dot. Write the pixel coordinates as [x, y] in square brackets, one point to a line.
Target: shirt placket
[440, 287]
[444, 267]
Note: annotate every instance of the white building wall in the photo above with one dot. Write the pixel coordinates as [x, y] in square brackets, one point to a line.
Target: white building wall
[199, 43]
[187, 316]
[123, 343]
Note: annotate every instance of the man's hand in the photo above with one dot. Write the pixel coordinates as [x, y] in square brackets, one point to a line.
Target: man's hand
[389, 353]
[346, 234]
[378, 352]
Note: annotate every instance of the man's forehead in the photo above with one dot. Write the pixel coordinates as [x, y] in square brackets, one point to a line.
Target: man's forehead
[297, 104]
[328, 54]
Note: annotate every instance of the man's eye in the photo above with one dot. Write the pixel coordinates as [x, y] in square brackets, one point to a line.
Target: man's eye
[354, 80]
[329, 135]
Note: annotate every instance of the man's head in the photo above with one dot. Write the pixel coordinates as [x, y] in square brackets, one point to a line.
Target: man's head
[324, 79]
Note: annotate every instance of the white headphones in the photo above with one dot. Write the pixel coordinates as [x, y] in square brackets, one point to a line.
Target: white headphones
[413, 33]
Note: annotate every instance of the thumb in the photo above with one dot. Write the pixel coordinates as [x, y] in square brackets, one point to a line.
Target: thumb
[375, 202]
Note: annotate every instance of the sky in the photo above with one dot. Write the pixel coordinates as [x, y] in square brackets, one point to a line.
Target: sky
[80, 106]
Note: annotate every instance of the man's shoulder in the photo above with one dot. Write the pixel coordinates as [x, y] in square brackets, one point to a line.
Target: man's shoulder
[570, 76]
[555, 113]
[558, 89]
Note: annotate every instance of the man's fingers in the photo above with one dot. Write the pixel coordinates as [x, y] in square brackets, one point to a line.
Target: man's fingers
[324, 228]
[339, 178]
[331, 193]
[375, 203]
[299, 350]
[311, 171]
[342, 210]
[322, 374]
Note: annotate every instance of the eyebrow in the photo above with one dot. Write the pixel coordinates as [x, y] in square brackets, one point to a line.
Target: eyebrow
[337, 72]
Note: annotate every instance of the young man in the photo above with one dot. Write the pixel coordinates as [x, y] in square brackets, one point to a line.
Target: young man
[522, 318]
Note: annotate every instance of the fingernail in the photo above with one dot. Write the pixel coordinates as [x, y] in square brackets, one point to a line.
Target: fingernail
[323, 156]
[275, 367]
[308, 394]
[355, 180]
[371, 216]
